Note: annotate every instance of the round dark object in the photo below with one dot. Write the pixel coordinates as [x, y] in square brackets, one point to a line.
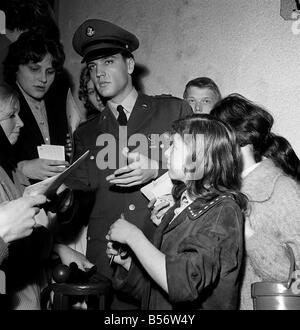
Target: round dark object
[61, 273]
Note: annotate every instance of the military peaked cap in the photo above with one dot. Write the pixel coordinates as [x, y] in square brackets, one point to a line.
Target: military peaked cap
[96, 37]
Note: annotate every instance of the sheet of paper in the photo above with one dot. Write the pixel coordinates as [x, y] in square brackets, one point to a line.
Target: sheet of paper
[73, 112]
[49, 186]
[159, 187]
[51, 151]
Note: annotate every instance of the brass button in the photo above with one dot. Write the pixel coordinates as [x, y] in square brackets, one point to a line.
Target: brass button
[92, 157]
[88, 238]
[131, 207]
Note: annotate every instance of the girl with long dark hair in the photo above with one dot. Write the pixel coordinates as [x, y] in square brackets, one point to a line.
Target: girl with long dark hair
[271, 173]
[195, 257]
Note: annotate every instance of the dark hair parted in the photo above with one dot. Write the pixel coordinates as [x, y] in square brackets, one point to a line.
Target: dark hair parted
[203, 82]
[252, 125]
[32, 47]
[216, 159]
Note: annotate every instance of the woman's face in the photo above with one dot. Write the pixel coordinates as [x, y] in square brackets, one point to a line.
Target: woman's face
[10, 121]
[176, 156]
[36, 78]
[94, 97]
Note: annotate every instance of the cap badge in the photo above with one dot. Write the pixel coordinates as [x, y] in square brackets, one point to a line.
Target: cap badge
[90, 31]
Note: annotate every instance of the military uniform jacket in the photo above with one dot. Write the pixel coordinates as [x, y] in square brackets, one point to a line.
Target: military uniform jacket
[151, 114]
[203, 246]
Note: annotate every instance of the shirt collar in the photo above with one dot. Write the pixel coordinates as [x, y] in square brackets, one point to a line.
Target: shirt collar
[249, 170]
[128, 103]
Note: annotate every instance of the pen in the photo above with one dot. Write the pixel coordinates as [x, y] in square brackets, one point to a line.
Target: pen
[120, 249]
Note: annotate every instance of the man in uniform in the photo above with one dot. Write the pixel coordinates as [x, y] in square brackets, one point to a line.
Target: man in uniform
[129, 116]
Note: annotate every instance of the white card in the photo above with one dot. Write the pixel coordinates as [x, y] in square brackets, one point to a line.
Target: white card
[52, 152]
[159, 187]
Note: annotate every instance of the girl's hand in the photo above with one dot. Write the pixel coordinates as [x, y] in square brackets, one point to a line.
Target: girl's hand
[110, 251]
[159, 207]
[122, 231]
[41, 169]
[248, 230]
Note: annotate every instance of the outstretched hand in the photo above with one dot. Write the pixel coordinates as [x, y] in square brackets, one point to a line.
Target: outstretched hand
[41, 169]
[17, 217]
[140, 169]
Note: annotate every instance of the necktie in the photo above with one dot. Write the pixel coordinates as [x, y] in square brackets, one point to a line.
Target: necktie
[122, 119]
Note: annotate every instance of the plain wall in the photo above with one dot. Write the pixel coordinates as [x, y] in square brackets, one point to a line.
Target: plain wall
[245, 46]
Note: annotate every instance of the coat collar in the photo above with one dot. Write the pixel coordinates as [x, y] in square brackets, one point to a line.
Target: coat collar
[27, 116]
[193, 212]
[259, 184]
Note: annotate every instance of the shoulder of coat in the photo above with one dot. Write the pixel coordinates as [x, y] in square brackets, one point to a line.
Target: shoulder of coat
[166, 96]
[89, 122]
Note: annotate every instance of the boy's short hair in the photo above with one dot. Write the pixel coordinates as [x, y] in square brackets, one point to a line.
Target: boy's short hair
[203, 82]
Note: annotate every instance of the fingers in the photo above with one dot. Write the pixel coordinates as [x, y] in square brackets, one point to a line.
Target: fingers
[133, 157]
[36, 210]
[135, 183]
[119, 172]
[160, 214]
[61, 188]
[34, 200]
[127, 181]
[88, 265]
[151, 203]
[155, 220]
[111, 252]
[161, 206]
[125, 171]
[53, 170]
[55, 162]
[27, 232]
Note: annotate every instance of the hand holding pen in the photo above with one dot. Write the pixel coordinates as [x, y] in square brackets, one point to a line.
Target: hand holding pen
[121, 248]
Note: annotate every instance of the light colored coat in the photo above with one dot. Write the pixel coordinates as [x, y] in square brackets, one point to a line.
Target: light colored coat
[26, 297]
[275, 217]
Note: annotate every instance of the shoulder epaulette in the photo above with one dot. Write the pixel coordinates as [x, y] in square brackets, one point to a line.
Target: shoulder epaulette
[92, 118]
[166, 96]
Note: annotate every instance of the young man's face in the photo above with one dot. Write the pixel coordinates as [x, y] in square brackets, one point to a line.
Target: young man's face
[112, 76]
[36, 78]
[201, 100]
